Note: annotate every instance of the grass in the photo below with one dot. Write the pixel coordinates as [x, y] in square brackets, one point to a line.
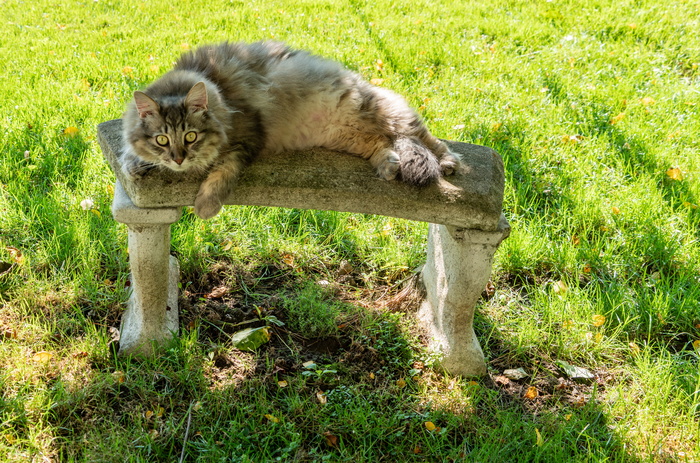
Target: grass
[592, 105]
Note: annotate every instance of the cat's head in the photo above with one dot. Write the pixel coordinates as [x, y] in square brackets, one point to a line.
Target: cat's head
[176, 131]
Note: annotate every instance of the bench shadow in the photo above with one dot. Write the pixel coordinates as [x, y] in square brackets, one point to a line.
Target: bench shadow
[358, 392]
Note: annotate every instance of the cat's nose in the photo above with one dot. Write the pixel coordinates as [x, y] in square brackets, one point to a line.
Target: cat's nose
[179, 161]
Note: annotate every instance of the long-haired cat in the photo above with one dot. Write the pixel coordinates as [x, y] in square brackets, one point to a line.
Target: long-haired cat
[223, 104]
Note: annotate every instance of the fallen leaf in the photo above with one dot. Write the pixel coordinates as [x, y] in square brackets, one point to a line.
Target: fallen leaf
[321, 397]
[16, 254]
[575, 373]
[282, 383]
[515, 374]
[250, 338]
[598, 320]
[430, 426]
[377, 82]
[149, 414]
[217, 292]
[119, 376]
[532, 393]
[417, 450]
[647, 101]
[539, 441]
[153, 433]
[71, 131]
[401, 383]
[696, 344]
[42, 357]
[615, 210]
[288, 259]
[127, 71]
[617, 118]
[309, 365]
[331, 439]
[634, 347]
[559, 287]
[272, 418]
[674, 173]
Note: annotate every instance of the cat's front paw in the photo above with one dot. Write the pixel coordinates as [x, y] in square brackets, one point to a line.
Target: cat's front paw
[135, 169]
[206, 206]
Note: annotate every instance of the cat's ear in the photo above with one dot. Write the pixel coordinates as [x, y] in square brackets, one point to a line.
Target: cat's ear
[196, 98]
[145, 105]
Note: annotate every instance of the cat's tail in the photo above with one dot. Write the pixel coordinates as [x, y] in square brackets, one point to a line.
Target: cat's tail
[418, 165]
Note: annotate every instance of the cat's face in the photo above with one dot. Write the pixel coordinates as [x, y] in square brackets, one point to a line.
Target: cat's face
[177, 132]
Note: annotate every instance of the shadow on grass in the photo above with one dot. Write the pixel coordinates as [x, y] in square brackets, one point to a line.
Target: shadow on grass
[361, 392]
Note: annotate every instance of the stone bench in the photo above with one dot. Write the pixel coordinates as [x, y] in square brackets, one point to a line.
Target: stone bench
[464, 211]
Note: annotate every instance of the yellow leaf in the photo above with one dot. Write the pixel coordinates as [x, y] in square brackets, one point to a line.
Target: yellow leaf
[674, 173]
[378, 82]
[322, 398]
[598, 320]
[71, 131]
[540, 441]
[647, 101]
[288, 259]
[149, 414]
[532, 393]
[379, 64]
[282, 383]
[615, 210]
[401, 383]
[568, 324]
[228, 244]
[42, 357]
[696, 344]
[184, 46]
[153, 433]
[15, 253]
[617, 118]
[128, 71]
[430, 426]
[272, 418]
[371, 375]
[634, 347]
[472, 383]
[568, 416]
[159, 412]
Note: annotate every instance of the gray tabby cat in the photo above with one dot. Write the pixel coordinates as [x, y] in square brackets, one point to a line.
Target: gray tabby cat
[223, 104]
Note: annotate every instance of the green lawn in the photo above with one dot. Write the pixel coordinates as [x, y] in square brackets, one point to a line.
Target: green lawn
[594, 107]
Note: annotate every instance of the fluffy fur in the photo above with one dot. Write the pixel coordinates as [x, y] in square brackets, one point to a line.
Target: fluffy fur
[223, 104]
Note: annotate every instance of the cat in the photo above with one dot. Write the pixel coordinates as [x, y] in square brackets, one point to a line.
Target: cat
[222, 104]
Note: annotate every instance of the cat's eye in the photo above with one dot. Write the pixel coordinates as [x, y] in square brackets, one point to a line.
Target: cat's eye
[190, 137]
[162, 140]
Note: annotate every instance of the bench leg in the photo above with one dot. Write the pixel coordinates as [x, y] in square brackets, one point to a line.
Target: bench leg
[152, 312]
[457, 269]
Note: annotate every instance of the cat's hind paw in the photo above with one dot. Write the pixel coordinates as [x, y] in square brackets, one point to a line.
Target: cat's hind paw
[449, 163]
[388, 168]
[206, 206]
